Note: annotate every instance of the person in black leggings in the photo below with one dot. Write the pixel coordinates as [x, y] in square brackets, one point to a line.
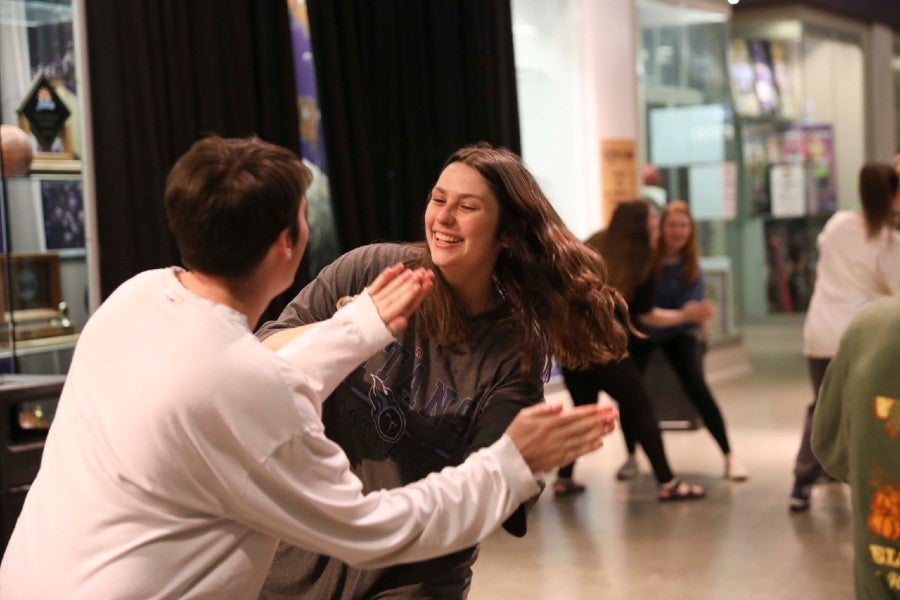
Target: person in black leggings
[626, 247]
[676, 271]
[622, 381]
[684, 356]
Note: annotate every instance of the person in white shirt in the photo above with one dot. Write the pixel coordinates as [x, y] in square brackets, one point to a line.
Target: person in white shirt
[859, 262]
[183, 450]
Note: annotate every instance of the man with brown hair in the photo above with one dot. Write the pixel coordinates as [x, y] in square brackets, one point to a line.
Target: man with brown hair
[183, 449]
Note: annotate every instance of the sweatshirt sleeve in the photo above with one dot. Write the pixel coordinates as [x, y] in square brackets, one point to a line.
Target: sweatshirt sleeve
[304, 492]
[320, 506]
[331, 349]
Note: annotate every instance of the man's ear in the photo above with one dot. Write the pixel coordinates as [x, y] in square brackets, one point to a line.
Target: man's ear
[284, 244]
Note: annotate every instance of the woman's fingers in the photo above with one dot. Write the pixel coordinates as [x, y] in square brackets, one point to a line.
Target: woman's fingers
[384, 277]
[548, 436]
[397, 292]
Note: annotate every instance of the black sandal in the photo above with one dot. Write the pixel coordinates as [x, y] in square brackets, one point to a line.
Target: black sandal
[680, 490]
[567, 487]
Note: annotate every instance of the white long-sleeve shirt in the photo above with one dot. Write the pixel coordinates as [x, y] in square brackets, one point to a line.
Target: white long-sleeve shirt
[182, 450]
[852, 271]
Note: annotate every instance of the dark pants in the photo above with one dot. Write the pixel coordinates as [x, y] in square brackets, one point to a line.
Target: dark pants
[622, 381]
[685, 358]
[807, 468]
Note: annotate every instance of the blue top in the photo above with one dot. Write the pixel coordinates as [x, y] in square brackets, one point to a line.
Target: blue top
[672, 292]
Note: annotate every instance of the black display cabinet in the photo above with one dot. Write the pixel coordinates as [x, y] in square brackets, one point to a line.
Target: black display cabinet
[27, 406]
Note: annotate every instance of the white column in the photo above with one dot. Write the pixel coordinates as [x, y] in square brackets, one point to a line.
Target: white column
[881, 121]
[611, 103]
[91, 241]
[577, 86]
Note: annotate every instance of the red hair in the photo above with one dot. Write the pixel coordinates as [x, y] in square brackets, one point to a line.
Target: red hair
[688, 254]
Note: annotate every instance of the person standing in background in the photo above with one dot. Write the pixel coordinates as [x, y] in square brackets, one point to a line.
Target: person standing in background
[512, 287]
[676, 267]
[856, 437]
[859, 261]
[627, 247]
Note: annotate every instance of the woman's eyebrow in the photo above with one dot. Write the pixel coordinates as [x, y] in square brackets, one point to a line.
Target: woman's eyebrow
[463, 195]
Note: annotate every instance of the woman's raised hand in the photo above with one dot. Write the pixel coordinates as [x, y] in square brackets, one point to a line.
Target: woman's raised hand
[397, 292]
[698, 311]
[549, 436]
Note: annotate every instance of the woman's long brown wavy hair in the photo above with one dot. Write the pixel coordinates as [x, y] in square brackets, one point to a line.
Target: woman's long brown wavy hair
[689, 254]
[625, 245]
[878, 184]
[561, 304]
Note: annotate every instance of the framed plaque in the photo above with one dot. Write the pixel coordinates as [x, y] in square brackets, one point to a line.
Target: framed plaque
[34, 298]
[44, 114]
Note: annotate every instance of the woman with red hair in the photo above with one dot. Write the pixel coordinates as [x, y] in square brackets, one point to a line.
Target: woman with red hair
[678, 282]
[627, 246]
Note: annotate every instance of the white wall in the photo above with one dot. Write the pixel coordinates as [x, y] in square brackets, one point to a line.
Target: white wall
[882, 120]
[548, 55]
[827, 62]
[575, 69]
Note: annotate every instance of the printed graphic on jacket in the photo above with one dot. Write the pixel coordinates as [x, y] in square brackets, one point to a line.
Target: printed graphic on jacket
[884, 508]
[390, 423]
[395, 410]
[888, 410]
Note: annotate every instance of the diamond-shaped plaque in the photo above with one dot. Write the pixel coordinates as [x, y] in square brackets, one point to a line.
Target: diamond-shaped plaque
[45, 112]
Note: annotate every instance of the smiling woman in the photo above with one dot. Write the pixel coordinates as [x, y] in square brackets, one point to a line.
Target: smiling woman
[512, 287]
[461, 230]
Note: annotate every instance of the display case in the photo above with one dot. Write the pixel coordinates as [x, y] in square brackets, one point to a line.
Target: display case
[802, 133]
[688, 130]
[27, 407]
[44, 271]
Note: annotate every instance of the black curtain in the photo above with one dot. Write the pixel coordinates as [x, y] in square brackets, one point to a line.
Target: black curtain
[403, 83]
[162, 74]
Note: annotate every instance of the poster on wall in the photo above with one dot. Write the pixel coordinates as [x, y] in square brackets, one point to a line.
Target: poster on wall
[618, 172]
[812, 145]
[820, 169]
[688, 135]
[323, 246]
[764, 76]
[783, 56]
[62, 206]
[743, 80]
[713, 191]
[787, 184]
[762, 148]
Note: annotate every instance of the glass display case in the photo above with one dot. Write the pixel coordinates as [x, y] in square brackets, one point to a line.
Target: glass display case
[802, 135]
[688, 130]
[44, 281]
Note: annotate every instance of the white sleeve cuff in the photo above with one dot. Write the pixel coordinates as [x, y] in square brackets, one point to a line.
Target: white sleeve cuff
[372, 330]
[522, 482]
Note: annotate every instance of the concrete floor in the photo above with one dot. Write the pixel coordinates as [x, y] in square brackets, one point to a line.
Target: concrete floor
[616, 541]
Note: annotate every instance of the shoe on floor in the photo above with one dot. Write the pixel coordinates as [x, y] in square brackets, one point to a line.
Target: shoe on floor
[628, 470]
[735, 471]
[565, 486]
[680, 490]
[799, 500]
